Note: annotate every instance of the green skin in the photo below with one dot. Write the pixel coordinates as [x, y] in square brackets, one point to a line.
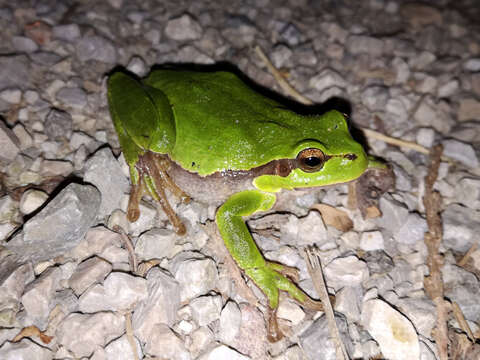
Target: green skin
[170, 112]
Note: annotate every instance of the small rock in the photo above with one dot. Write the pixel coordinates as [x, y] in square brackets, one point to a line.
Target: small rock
[71, 213]
[346, 303]
[206, 309]
[469, 110]
[310, 229]
[421, 312]
[290, 311]
[468, 192]
[201, 338]
[160, 306]
[460, 227]
[88, 272]
[79, 138]
[137, 66]
[183, 28]
[83, 333]
[424, 83]
[58, 125]
[165, 344]
[25, 349]
[96, 48]
[120, 349]
[428, 115]
[70, 32]
[38, 296]
[230, 321]
[31, 200]
[375, 97]
[105, 172]
[56, 167]
[291, 34]
[425, 137]
[360, 44]
[422, 60]
[397, 110]
[395, 214]
[391, 330]
[346, 271]
[317, 343]
[462, 287]
[472, 65]
[72, 96]
[9, 144]
[326, 79]
[119, 291]
[15, 72]
[156, 244]
[420, 15]
[371, 241]
[197, 276]
[412, 230]
[251, 339]
[461, 152]
[223, 352]
[23, 44]
[281, 56]
[12, 282]
[402, 70]
[448, 89]
[12, 96]
[23, 136]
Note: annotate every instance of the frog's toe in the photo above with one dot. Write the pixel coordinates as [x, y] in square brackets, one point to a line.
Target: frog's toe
[288, 271]
[133, 208]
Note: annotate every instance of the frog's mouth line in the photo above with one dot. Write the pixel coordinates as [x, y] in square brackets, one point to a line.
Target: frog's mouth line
[280, 167]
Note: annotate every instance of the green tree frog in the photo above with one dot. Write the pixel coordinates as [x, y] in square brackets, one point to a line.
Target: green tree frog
[209, 136]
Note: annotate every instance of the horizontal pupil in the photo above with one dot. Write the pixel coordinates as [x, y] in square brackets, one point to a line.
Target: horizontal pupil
[312, 161]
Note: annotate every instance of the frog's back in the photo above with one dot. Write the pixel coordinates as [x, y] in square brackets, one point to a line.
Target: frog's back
[222, 124]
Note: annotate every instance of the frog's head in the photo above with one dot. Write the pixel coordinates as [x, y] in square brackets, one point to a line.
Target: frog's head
[328, 156]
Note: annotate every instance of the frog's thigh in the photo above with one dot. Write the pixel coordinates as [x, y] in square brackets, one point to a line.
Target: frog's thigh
[141, 113]
[235, 233]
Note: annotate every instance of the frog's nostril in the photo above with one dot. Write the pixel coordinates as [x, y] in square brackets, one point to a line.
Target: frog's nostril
[350, 156]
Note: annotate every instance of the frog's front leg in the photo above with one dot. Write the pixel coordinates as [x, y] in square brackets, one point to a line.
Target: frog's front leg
[268, 276]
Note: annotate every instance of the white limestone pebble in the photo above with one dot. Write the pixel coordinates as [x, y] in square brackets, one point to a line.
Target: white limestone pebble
[393, 332]
[31, 200]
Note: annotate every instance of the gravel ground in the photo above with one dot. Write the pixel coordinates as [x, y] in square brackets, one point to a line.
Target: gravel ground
[408, 70]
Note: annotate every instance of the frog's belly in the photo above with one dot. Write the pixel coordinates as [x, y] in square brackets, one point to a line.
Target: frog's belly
[212, 189]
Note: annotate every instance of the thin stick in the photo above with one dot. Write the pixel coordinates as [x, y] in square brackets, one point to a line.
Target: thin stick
[467, 255]
[315, 270]
[433, 238]
[461, 321]
[129, 331]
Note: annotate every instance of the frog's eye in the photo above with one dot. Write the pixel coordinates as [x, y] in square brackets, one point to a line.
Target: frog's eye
[310, 160]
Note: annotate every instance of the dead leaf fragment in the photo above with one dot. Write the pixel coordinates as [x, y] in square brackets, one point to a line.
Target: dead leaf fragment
[332, 216]
[30, 331]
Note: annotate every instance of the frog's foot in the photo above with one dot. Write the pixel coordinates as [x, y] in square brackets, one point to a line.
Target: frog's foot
[163, 165]
[288, 271]
[271, 279]
[155, 179]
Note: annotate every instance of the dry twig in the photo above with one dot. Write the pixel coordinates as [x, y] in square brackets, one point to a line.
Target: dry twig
[30, 331]
[315, 270]
[458, 313]
[132, 258]
[129, 332]
[433, 238]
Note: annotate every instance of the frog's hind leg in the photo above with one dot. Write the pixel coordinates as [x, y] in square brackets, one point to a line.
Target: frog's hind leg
[156, 180]
[270, 277]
